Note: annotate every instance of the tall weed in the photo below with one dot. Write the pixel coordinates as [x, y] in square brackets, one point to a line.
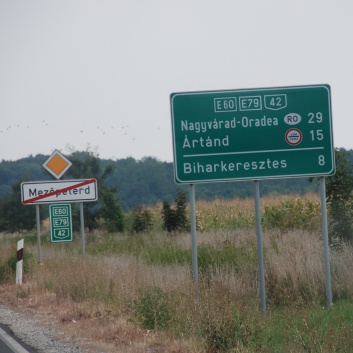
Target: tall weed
[152, 309]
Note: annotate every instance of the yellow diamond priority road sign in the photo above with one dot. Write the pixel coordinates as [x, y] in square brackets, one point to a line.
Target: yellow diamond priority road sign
[57, 164]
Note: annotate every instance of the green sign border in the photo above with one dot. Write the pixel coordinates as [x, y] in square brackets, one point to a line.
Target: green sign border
[53, 237]
[266, 140]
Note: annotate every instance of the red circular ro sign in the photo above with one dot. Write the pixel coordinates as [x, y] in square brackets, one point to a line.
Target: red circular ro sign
[294, 137]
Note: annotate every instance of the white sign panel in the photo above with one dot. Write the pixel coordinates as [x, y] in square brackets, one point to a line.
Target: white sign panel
[42, 192]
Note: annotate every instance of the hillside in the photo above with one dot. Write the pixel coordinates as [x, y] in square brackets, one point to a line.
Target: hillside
[146, 181]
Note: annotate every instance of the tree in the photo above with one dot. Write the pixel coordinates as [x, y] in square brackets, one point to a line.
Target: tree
[142, 182]
[339, 198]
[175, 220]
[142, 220]
[111, 212]
[14, 216]
[181, 201]
[87, 165]
[169, 218]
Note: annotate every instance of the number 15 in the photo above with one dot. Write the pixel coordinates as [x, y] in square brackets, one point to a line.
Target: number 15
[316, 135]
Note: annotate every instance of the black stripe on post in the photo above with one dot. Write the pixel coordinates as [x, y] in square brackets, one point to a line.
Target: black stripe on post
[19, 254]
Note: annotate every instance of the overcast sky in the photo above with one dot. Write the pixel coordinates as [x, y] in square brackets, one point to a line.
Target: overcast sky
[97, 74]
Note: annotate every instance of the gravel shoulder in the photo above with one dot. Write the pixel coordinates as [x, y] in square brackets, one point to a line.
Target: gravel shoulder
[52, 327]
[38, 334]
[40, 331]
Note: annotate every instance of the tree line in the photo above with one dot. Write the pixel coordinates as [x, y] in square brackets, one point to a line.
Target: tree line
[140, 182]
[131, 185]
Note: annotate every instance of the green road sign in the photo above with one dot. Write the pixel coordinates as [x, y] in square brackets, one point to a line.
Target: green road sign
[60, 222]
[252, 134]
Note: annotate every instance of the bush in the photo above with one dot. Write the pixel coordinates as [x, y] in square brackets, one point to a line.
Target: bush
[142, 220]
[8, 268]
[151, 309]
[225, 334]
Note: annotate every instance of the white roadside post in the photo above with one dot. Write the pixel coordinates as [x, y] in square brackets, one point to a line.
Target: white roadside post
[19, 263]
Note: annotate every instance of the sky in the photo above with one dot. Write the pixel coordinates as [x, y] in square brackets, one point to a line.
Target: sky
[97, 75]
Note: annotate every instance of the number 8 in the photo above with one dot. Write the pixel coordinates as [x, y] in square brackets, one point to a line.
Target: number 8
[321, 160]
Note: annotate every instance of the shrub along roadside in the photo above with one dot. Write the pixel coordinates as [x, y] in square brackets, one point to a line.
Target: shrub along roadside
[152, 310]
[8, 264]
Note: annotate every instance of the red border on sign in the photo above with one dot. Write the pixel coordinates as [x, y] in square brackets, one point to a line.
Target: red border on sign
[300, 137]
[34, 199]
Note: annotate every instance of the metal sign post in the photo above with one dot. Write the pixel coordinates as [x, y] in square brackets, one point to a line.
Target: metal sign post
[54, 192]
[82, 230]
[194, 241]
[38, 234]
[253, 134]
[260, 253]
[326, 242]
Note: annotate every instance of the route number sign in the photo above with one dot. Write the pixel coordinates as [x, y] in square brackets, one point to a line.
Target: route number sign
[253, 134]
[60, 222]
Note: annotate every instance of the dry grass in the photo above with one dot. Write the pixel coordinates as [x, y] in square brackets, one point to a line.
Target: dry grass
[93, 296]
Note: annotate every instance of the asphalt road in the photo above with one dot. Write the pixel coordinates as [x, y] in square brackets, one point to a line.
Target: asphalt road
[10, 344]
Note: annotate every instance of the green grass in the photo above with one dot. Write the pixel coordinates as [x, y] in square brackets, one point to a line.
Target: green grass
[308, 329]
[147, 279]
